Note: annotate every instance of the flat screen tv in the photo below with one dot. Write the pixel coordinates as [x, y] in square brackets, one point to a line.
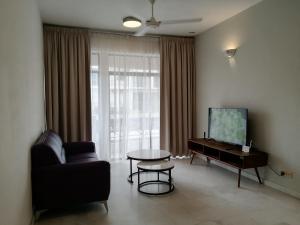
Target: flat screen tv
[228, 125]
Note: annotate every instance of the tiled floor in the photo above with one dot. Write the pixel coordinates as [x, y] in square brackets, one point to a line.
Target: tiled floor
[204, 195]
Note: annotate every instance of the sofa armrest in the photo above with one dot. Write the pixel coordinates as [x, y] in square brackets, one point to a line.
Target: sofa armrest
[70, 183]
[72, 148]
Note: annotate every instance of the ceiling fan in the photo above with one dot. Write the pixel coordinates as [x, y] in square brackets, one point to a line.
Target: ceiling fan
[152, 23]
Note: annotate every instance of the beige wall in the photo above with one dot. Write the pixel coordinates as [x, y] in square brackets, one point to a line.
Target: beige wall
[21, 105]
[264, 77]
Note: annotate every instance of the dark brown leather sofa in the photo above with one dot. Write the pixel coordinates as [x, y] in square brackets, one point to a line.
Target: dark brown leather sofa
[67, 174]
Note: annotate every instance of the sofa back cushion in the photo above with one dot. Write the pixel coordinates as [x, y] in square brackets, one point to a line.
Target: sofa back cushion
[48, 150]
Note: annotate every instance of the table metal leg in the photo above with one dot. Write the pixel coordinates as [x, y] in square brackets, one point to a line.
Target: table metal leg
[170, 180]
[138, 179]
[130, 171]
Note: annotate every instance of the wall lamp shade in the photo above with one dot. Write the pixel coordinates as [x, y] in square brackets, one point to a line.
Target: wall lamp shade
[131, 22]
[230, 52]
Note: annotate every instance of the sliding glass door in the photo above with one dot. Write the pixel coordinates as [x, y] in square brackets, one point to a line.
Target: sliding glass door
[125, 103]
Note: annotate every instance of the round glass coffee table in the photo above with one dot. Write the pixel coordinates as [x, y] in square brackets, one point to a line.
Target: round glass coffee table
[146, 155]
[159, 167]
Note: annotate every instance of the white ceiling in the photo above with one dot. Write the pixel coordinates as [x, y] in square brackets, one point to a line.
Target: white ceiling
[108, 14]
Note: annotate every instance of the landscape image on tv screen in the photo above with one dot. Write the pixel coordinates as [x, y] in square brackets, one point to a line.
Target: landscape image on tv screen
[228, 125]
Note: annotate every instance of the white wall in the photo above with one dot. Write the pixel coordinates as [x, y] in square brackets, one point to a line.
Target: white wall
[264, 77]
[21, 105]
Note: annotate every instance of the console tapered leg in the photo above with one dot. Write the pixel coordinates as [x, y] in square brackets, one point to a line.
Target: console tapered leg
[193, 155]
[239, 178]
[208, 160]
[257, 174]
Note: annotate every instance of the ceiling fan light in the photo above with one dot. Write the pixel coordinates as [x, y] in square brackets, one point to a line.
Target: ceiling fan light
[131, 22]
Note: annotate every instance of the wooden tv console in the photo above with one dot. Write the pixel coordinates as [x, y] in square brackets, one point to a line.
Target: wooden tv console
[228, 154]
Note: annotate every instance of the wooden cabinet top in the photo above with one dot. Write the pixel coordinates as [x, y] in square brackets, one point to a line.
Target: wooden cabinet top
[225, 147]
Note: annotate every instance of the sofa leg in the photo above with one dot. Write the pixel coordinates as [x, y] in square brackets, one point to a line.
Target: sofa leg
[37, 215]
[106, 206]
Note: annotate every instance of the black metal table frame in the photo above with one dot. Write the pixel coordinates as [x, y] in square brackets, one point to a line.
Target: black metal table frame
[129, 179]
[158, 181]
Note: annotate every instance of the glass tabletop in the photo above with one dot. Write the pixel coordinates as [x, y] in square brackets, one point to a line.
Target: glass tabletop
[148, 155]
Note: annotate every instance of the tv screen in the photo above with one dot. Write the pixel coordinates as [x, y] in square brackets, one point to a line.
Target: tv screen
[228, 125]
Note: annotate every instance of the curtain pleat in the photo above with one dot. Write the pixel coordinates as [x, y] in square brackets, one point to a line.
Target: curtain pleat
[67, 82]
[177, 69]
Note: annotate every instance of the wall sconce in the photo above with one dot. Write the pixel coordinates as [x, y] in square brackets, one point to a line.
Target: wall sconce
[230, 52]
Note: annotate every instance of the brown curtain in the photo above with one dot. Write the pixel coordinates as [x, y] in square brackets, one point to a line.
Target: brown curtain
[67, 82]
[177, 65]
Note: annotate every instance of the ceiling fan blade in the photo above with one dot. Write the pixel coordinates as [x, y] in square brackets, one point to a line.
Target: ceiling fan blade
[142, 31]
[196, 20]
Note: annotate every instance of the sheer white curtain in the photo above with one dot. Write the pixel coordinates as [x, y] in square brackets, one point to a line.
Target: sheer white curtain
[125, 94]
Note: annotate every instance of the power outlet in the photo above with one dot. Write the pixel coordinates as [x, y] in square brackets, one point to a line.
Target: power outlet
[287, 174]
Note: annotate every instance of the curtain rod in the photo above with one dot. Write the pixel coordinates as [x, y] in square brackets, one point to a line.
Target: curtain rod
[121, 33]
[94, 30]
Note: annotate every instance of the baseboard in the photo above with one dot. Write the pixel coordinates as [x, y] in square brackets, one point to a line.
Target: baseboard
[282, 189]
[266, 182]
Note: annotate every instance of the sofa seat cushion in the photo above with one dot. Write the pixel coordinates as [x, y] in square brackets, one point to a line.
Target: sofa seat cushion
[82, 157]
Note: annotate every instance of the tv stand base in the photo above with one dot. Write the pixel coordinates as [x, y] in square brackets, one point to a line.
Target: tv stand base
[234, 157]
